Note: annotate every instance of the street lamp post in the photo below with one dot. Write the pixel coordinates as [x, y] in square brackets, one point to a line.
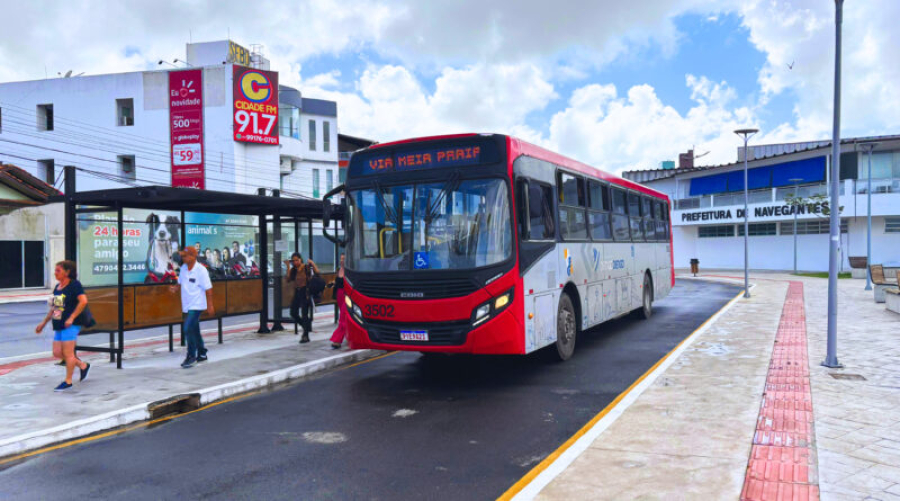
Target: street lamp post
[796, 181]
[868, 147]
[831, 359]
[746, 133]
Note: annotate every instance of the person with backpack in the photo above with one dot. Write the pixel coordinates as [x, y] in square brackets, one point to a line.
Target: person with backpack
[68, 306]
[301, 305]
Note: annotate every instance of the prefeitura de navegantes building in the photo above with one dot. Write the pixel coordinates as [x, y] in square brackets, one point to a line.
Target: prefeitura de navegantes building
[708, 202]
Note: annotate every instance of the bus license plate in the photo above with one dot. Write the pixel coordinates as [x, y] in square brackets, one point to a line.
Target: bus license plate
[414, 335]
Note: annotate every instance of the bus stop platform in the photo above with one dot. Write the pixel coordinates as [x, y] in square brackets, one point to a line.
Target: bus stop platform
[744, 410]
[35, 417]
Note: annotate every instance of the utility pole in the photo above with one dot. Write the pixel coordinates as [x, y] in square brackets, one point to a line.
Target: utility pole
[831, 359]
[868, 147]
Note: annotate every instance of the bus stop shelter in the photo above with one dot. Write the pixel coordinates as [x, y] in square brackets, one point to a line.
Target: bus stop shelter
[127, 306]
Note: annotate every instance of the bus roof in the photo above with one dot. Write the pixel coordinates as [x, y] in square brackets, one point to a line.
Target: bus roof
[518, 146]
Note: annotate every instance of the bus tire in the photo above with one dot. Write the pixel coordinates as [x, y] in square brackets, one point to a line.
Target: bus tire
[646, 309]
[566, 328]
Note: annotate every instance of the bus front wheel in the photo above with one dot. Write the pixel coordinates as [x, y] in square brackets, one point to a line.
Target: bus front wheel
[566, 328]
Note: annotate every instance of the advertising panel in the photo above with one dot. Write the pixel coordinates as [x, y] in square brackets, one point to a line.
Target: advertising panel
[255, 105]
[226, 244]
[186, 128]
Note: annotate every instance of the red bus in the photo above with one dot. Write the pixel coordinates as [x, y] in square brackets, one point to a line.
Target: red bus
[483, 243]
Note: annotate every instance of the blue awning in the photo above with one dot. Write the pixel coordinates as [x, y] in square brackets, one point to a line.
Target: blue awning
[811, 170]
[759, 178]
[735, 180]
[709, 184]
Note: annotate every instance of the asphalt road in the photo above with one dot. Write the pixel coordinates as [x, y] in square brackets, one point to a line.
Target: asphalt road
[18, 320]
[400, 427]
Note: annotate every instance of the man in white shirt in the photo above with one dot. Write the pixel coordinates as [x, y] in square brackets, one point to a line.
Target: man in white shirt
[196, 297]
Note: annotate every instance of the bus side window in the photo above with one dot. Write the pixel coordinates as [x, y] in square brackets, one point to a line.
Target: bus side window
[621, 230]
[598, 211]
[540, 225]
[634, 213]
[522, 207]
[572, 202]
[648, 223]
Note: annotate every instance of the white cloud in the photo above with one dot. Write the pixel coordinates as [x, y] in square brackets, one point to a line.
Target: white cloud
[638, 130]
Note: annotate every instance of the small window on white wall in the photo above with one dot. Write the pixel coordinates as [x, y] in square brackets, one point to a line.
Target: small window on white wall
[312, 135]
[125, 112]
[892, 225]
[47, 171]
[44, 117]
[326, 136]
[329, 178]
[315, 183]
[126, 166]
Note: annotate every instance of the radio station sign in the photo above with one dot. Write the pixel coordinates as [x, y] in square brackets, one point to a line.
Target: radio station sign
[756, 213]
[186, 128]
[255, 105]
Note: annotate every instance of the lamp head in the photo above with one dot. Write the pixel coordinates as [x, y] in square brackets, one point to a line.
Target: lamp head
[746, 131]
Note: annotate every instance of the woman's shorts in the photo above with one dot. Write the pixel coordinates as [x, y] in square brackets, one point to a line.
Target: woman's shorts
[67, 334]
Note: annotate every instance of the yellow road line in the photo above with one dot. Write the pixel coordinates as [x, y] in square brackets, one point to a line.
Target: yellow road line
[150, 423]
[543, 465]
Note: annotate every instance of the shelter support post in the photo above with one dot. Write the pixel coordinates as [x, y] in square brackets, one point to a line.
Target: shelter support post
[276, 268]
[70, 224]
[171, 338]
[337, 268]
[264, 272]
[220, 329]
[120, 271]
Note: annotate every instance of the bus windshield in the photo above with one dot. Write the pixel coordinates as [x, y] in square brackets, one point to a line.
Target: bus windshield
[445, 225]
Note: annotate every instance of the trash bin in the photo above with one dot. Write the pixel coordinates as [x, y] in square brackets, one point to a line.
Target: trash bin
[695, 266]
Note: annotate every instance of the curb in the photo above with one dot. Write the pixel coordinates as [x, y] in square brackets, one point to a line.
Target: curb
[115, 419]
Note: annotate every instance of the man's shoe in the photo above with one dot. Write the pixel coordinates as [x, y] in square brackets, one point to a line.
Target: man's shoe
[189, 362]
[201, 358]
[335, 346]
[84, 372]
[304, 339]
[63, 386]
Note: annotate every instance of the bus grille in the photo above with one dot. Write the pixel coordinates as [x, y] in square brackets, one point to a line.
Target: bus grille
[404, 288]
[439, 333]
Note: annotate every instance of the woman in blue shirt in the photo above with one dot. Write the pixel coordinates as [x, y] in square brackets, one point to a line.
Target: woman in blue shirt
[66, 305]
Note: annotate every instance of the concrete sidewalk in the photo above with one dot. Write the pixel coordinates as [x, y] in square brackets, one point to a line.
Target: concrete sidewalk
[24, 295]
[34, 415]
[705, 424]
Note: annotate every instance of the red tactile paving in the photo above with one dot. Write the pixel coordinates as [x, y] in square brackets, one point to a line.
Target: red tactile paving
[782, 465]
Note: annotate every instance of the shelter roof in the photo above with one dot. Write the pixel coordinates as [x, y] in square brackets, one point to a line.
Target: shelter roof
[191, 200]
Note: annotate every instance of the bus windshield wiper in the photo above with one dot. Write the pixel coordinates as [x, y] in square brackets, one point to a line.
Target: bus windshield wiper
[388, 210]
[451, 185]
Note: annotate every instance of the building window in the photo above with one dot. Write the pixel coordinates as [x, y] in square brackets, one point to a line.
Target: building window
[329, 179]
[289, 121]
[126, 166]
[326, 136]
[716, 231]
[759, 229]
[315, 182]
[312, 135]
[44, 117]
[892, 225]
[818, 227]
[47, 171]
[342, 174]
[125, 112]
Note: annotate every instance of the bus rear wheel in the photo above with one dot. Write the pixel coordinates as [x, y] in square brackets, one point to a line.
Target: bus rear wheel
[566, 328]
[646, 309]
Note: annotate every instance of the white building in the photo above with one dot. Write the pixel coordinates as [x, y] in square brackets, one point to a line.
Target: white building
[707, 218]
[115, 127]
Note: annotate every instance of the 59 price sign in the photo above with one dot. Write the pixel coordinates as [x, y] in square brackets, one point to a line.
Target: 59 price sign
[187, 154]
[255, 105]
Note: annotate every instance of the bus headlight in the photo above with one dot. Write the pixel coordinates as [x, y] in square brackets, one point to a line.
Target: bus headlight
[354, 310]
[487, 310]
[348, 302]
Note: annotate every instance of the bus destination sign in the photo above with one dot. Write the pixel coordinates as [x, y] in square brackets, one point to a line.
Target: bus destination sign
[455, 156]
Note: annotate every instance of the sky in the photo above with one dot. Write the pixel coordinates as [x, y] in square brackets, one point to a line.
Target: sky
[619, 85]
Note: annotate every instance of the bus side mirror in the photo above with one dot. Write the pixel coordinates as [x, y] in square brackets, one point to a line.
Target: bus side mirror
[328, 211]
